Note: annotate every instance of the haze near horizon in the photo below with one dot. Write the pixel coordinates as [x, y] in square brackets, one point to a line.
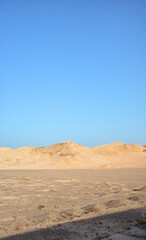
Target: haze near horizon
[72, 71]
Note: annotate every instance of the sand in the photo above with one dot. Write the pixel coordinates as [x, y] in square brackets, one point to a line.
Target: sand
[69, 155]
[70, 192]
[73, 204]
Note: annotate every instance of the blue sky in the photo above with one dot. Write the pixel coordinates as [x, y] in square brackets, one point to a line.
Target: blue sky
[72, 70]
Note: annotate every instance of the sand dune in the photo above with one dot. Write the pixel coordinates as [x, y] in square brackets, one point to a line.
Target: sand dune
[71, 155]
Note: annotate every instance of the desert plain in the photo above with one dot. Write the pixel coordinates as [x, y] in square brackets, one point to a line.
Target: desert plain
[71, 192]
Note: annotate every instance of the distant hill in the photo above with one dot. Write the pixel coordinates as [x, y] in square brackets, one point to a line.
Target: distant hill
[67, 155]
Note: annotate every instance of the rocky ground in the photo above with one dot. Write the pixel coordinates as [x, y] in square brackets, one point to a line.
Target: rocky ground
[73, 204]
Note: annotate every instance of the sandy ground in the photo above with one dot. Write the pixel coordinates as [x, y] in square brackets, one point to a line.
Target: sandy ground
[73, 204]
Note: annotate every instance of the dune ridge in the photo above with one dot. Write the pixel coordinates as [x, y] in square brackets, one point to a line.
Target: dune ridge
[69, 155]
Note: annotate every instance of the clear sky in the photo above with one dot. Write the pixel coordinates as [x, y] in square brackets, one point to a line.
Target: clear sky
[72, 70]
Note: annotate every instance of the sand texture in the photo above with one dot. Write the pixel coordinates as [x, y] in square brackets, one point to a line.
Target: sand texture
[69, 155]
[73, 204]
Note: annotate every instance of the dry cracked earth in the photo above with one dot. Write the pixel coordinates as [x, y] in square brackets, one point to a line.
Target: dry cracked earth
[73, 204]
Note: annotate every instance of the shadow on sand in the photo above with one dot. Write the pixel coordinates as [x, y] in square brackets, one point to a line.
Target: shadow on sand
[124, 225]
